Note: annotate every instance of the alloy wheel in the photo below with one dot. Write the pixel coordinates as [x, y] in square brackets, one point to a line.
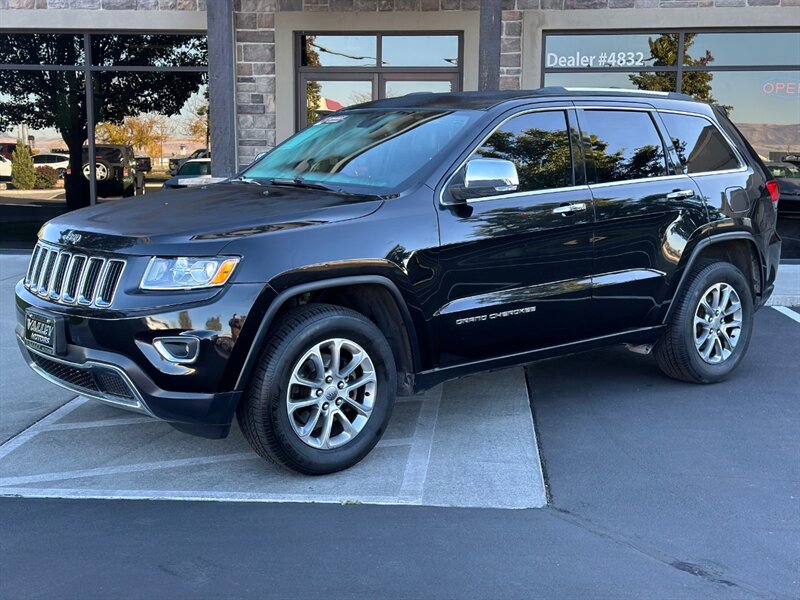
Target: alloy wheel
[717, 323]
[331, 393]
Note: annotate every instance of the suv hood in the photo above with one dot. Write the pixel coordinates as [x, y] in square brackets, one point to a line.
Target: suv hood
[210, 216]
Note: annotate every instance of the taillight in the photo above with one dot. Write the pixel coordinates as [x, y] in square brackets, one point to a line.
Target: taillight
[69, 170]
[774, 191]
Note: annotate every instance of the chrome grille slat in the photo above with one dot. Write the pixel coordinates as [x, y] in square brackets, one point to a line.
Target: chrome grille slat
[75, 275]
[44, 272]
[67, 278]
[32, 265]
[91, 273]
[59, 274]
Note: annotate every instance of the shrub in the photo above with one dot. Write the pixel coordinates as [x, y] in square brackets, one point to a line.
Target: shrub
[46, 178]
[23, 175]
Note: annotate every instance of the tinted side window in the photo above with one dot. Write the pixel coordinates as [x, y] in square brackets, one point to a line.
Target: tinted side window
[624, 144]
[699, 144]
[538, 144]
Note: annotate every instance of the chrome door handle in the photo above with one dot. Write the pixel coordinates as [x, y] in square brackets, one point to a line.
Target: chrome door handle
[569, 208]
[680, 194]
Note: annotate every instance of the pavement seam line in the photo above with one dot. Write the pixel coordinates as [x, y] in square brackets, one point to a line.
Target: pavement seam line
[788, 312]
[40, 426]
[652, 553]
[548, 495]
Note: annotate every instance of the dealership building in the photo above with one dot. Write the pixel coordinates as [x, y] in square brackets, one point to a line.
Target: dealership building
[273, 66]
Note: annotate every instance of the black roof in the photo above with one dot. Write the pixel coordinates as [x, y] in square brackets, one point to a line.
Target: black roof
[486, 100]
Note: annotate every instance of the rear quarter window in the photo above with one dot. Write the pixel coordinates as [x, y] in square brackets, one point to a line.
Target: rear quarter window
[700, 146]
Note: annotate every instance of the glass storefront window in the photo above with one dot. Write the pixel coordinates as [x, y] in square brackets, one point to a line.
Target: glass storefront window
[765, 105]
[419, 51]
[610, 51]
[326, 97]
[401, 88]
[339, 70]
[149, 50]
[339, 51]
[41, 49]
[662, 81]
[145, 120]
[745, 49]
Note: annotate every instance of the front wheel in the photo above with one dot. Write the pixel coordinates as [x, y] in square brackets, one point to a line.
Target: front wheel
[711, 327]
[323, 392]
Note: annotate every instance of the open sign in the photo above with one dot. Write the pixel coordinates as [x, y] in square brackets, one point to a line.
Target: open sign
[781, 88]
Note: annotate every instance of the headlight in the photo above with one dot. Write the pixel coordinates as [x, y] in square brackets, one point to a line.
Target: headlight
[187, 273]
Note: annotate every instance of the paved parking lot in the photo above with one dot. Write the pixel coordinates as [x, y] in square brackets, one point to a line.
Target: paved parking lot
[657, 489]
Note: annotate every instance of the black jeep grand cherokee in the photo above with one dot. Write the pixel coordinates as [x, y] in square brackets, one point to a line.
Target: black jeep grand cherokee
[403, 242]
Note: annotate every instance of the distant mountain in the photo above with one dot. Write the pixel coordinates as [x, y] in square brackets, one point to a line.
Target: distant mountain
[776, 138]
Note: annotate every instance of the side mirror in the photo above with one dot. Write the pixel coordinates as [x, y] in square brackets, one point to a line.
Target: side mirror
[486, 177]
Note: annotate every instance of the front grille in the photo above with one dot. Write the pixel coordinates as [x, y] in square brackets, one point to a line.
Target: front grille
[112, 383]
[79, 378]
[72, 278]
[92, 380]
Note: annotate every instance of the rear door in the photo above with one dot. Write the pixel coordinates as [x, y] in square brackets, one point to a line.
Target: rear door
[516, 267]
[645, 211]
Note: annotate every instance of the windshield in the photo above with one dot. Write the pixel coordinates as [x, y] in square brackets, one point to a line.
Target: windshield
[198, 168]
[785, 171]
[372, 151]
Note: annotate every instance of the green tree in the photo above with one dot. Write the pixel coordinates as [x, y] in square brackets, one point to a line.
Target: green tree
[23, 173]
[43, 99]
[664, 52]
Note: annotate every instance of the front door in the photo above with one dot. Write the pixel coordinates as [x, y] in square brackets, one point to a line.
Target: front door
[516, 267]
[645, 210]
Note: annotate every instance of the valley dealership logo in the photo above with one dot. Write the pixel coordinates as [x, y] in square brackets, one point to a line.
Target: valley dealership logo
[496, 315]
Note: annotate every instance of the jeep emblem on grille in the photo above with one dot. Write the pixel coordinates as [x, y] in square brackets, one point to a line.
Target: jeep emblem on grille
[72, 237]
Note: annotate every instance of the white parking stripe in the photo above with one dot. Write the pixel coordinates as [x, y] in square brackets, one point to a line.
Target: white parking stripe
[41, 425]
[103, 423]
[419, 456]
[788, 312]
[101, 471]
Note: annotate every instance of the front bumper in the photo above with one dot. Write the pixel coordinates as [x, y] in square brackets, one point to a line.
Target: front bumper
[115, 380]
[111, 356]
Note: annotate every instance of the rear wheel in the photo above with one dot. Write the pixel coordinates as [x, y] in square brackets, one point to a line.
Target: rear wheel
[323, 391]
[711, 327]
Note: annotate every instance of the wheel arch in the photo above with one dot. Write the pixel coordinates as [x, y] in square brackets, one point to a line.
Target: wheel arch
[740, 248]
[382, 297]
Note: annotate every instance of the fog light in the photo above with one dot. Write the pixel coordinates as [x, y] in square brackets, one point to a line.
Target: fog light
[179, 349]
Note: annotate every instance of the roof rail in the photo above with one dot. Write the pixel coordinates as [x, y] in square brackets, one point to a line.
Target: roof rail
[609, 90]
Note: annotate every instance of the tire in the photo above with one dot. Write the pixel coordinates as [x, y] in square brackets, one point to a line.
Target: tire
[699, 350]
[103, 170]
[295, 344]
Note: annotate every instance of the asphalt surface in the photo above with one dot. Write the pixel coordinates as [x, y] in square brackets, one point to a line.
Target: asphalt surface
[658, 490]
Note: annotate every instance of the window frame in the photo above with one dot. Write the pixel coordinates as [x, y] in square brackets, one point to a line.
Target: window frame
[578, 156]
[378, 73]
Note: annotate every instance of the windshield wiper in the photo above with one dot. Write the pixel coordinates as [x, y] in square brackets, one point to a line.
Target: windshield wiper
[243, 179]
[298, 182]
